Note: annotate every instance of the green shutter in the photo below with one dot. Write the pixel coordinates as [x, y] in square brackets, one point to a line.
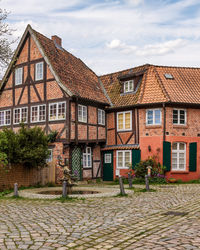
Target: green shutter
[167, 155]
[193, 157]
[136, 156]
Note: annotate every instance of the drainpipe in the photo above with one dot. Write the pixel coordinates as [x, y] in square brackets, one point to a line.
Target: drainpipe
[164, 122]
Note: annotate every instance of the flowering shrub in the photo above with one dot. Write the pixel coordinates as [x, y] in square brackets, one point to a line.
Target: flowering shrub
[157, 170]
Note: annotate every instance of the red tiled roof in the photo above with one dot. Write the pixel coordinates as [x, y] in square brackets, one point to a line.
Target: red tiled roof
[185, 85]
[113, 86]
[74, 74]
[155, 87]
[121, 147]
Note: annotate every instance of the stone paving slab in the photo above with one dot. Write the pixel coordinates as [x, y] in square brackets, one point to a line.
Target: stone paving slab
[139, 221]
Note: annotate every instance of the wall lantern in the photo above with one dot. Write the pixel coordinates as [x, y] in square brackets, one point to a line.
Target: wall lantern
[149, 148]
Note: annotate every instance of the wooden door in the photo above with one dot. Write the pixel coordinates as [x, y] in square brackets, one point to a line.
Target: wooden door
[108, 166]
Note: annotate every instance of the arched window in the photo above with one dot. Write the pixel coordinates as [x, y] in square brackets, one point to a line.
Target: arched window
[178, 156]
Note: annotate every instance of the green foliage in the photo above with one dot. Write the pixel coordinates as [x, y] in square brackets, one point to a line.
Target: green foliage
[9, 146]
[6, 192]
[28, 147]
[33, 145]
[52, 136]
[157, 170]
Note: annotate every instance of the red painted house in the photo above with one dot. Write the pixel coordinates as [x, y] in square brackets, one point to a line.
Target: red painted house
[104, 124]
[154, 111]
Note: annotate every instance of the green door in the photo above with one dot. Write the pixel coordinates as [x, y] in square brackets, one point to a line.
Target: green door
[76, 163]
[108, 166]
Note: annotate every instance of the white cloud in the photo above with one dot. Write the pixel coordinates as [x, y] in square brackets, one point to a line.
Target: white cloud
[117, 44]
[161, 48]
[134, 31]
[134, 2]
[147, 50]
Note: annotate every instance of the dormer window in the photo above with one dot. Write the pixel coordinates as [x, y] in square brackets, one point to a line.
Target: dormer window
[128, 86]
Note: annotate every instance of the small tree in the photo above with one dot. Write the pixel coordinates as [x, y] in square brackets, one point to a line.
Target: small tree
[9, 145]
[5, 43]
[33, 144]
[29, 147]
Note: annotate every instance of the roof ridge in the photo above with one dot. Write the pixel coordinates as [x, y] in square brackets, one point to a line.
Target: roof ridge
[143, 65]
[179, 67]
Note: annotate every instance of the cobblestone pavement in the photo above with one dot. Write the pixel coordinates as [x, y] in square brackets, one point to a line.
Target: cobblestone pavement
[166, 219]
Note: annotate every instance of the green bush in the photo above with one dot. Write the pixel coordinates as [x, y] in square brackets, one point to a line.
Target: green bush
[157, 170]
[33, 145]
[29, 147]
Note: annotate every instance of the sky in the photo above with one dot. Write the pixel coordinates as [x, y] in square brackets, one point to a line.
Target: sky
[113, 35]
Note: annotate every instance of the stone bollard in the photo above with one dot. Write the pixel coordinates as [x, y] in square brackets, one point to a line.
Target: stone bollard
[130, 180]
[16, 194]
[122, 191]
[147, 182]
[64, 189]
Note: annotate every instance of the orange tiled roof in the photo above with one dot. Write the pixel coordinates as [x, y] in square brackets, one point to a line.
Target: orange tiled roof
[124, 147]
[155, 87]
[113, 87]
[74, 74]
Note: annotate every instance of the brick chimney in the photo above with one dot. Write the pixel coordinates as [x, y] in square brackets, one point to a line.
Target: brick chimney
[57, 40]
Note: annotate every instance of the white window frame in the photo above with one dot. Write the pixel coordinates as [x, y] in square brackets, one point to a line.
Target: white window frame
[38, 113]
[20, 115]
[57, 107]
[124, 129]
[81, 117]
[18, 76]
[4, 117]
[39, 75]
[178, 151]
[130, 84]
[87, 152]
[154, 120]
[50, 158]
[107, 158]
[123, 159]
[101, 117]
[182, 124]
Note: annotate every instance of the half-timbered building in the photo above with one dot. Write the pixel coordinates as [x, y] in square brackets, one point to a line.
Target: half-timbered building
[105, 124]
[46, 86]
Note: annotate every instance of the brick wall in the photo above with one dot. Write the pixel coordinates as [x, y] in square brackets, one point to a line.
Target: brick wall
[26, 176]
[151, 139]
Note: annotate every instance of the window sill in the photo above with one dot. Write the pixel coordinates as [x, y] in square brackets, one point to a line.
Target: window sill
[180, 126]
[61, 119]
[153, 126]
[122, 168]
[124, 130]
[179, 172]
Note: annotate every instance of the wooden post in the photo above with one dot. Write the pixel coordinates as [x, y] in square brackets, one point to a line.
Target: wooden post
[64, 189]
[122, 191]
[16, 194]
[130, 181]
[147, 182]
